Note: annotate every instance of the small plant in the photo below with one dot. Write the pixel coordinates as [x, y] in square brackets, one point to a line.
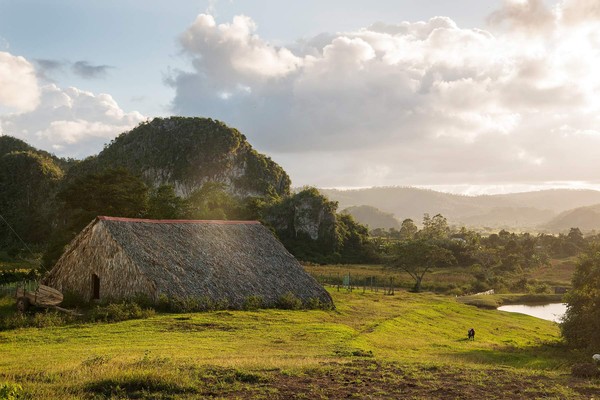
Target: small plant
[120, 312]
[10, 391]
[253, 303]
[289, 301]
[585, 370]
[95, 361]
[316, 304]
[48, 319]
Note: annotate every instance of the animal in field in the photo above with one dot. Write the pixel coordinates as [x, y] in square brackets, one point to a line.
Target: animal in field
[471, 334]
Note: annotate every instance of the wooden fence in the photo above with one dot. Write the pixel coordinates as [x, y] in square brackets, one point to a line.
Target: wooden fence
[348, 282]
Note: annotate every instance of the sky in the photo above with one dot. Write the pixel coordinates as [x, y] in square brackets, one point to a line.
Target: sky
[466, 96]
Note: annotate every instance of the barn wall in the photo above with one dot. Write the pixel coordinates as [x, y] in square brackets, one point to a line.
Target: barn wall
[96, 252]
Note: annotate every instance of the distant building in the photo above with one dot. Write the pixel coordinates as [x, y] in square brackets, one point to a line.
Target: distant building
[119, 258]
[560, 290]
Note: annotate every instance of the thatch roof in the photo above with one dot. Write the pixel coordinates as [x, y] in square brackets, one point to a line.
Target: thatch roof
[221, 260]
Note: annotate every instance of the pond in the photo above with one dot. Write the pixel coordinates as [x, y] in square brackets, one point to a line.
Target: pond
[550, 312]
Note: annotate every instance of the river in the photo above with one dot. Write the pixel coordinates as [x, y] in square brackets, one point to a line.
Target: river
[550, 312]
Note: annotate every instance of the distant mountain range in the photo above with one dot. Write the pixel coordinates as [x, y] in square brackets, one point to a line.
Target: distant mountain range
[554, 210]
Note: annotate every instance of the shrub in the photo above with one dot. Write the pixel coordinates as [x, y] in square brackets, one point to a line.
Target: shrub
[10, 391]
[316, 304]
[253, 303]
[72, 300]
[585, 370]
[289, 301]
[49, 319]
[120, 312]
[38, 320]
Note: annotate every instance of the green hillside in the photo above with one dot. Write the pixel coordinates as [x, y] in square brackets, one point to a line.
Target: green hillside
[185, 153]
[587, 219]
[527, 211]
[407, 345]
[373, 217]
[188, 152]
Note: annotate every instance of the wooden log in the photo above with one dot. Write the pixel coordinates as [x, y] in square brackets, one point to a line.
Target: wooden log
[72, 312]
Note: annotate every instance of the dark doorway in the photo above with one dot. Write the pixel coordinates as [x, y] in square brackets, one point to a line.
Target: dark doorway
[95, 287]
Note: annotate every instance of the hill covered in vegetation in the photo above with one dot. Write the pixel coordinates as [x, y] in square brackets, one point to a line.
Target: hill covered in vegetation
[187, 153]
[530, 210]
[585, 218]
[373, 217]
[167, 168]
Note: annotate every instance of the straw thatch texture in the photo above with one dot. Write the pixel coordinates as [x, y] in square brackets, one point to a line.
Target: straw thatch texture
[219, 260]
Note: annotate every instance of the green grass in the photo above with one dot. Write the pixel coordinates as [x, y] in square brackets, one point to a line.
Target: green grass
[440, 280]
[240, 354]
[450, 280]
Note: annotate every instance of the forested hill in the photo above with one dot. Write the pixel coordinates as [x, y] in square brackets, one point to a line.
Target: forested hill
[531, 210]
[188, 152]
[585, 218]
[184, 153]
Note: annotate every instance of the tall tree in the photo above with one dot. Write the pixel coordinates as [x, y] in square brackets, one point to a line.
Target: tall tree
[212, 201]
[581, 324]
[408, 229]
[164, 203]
[114, 192]
[418, 257]
[435, 228]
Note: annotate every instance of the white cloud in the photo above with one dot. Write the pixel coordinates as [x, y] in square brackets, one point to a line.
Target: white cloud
[18, 83]
[235, 49]
[70, 122]
[425, 102]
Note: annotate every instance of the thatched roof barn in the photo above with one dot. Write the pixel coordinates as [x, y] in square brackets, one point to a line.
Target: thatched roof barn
[120, 258]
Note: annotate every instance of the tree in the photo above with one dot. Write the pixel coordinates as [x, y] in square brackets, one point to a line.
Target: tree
[163, 203]
[115, 192]
[435, 228]
[212, 201]
[408, 230]
[581, 324]
[418, 257]
[356, 244]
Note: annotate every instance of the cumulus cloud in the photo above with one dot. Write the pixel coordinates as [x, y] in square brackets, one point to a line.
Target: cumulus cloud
[531, 15]
[86, 70]
[18, 83]
[70, 122]
[579, 11]
[426, 102]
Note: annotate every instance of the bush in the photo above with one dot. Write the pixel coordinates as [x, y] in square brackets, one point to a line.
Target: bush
[585, 370]
[120, 312]
[72, 300]
[36, 320]
[581, 322]
[289, 302]
[189, 304]
[316, 304]
[10, 391]
[253, 303]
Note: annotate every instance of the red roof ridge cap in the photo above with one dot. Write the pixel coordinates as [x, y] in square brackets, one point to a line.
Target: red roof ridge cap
[178, 221]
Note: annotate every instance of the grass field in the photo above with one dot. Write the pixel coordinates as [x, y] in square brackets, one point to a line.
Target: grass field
[451, 280]
[373, 345]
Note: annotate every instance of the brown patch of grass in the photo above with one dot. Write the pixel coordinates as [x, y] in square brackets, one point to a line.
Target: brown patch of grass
[372, 379]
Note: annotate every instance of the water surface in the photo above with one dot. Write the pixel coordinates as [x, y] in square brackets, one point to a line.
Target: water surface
[550, 312]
